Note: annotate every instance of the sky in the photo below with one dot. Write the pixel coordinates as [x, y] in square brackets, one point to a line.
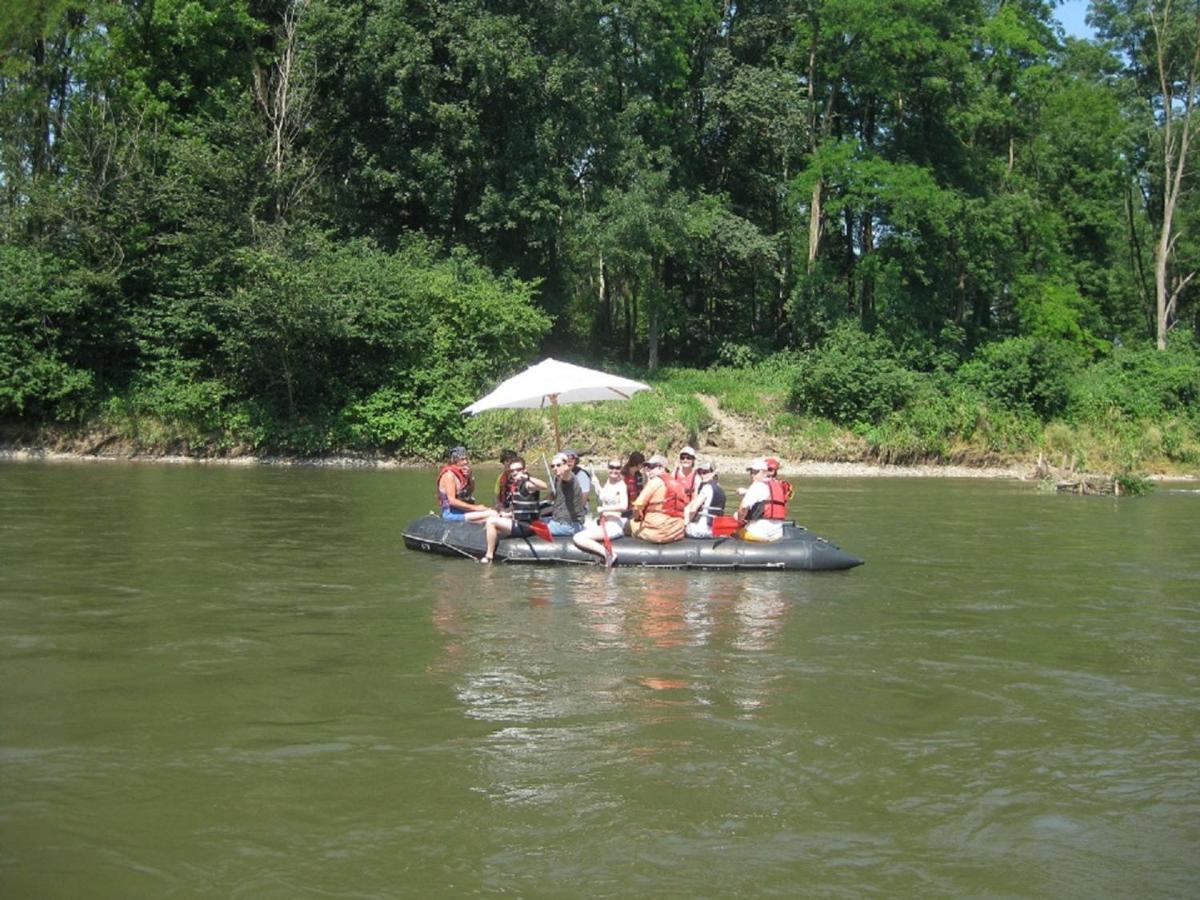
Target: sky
[1071, 13]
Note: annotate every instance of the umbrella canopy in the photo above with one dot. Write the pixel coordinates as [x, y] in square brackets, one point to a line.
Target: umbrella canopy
[551, 382]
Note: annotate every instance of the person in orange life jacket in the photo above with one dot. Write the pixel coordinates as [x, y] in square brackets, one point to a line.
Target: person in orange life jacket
[658, 509]
[685, 472]
[522, 504]
[611, 504]
[708, 501]
[763, 506]
[773, 473]
[456, 489]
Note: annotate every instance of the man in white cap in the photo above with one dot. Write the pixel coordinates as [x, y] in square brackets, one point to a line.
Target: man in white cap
[685, 471]
[763, 507]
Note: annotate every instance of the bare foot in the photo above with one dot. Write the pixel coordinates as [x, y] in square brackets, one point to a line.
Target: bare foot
[610, 559]
[485, 559]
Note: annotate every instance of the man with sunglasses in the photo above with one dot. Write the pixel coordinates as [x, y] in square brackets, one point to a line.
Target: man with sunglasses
[522, 505]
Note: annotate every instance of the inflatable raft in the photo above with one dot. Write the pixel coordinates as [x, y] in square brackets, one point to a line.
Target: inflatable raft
[800, 550]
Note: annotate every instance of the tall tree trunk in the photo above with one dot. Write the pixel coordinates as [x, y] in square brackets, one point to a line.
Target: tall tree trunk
[1176, 141]
[630, 321]
[851, 305]
[814, 223]
[40, 151]
[652, 335]
[606, 316]
[867, 290]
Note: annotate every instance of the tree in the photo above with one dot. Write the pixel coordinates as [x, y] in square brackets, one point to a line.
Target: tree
[1159, 43]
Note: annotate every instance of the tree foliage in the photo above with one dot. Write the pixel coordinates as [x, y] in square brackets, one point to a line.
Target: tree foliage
[339, 219]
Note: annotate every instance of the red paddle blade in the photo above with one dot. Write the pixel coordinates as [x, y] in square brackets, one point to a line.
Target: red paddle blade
[542, 530]
[723, 526]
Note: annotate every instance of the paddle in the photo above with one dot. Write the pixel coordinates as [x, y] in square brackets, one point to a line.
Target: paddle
[608, 550]
[542, 530]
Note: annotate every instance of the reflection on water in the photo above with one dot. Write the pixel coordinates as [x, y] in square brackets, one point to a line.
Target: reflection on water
[617, 623]
[234, 683]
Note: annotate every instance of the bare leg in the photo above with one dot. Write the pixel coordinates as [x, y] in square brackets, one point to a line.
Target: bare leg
[588, 541]
[492, 529]
[478, 516]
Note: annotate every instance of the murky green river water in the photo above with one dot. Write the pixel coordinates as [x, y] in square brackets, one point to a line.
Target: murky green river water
[226, 682]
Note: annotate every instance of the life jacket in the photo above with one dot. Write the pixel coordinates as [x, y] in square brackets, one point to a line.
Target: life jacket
[716, 506]
[524, 502]
[465, 486]
[503, 487]
[687, 482]
[674, 500]
[634, 482]
[775, 507]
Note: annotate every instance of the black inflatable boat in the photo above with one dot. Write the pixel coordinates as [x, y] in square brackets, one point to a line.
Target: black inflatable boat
[800, 550]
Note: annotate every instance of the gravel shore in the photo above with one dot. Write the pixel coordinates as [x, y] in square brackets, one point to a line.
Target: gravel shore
[724, 464]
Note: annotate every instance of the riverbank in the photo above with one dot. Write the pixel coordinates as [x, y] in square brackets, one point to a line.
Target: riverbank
[723, 462]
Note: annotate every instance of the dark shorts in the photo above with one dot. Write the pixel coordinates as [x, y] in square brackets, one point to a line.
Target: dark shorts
[521, 529]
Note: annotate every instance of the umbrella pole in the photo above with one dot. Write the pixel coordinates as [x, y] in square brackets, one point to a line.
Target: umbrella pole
[554, 414]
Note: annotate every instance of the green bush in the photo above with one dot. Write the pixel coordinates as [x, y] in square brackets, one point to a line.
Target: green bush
[48, 312]
[1140, 382]
[1022, 374]
[853, 379]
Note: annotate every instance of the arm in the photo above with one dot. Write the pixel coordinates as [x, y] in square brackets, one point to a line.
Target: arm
[449, 487]
[699, 500]
[646, 497]
[748, 500]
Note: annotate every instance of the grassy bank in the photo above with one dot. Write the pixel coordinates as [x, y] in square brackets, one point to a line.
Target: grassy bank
[1131, 411]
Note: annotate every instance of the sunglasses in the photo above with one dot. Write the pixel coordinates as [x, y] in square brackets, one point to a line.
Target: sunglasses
[686, 456]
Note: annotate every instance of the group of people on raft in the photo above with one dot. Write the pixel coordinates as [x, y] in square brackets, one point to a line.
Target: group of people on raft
[666, 505]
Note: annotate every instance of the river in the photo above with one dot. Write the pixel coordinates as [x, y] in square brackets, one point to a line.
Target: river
[236, 682]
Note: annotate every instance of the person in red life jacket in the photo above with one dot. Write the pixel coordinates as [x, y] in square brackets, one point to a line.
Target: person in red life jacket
[502, 486]
[522, 506]
[456, 490]
[658, 509]
[763, 507]
[685, 472]
[708, 501]
[773, 473]
[635, 478]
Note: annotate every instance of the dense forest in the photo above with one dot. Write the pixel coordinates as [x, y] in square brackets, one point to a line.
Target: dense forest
[314, 225]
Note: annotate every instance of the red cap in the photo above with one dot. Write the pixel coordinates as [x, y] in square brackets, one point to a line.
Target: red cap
[772, 463]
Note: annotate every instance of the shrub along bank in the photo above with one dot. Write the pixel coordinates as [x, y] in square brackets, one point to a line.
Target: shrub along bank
[854, 399]
[857, 399]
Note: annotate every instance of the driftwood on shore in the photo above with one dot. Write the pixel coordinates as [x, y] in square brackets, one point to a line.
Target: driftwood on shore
[1065, 480]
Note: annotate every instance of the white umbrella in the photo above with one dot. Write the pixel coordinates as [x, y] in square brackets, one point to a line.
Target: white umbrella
[553, 382]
